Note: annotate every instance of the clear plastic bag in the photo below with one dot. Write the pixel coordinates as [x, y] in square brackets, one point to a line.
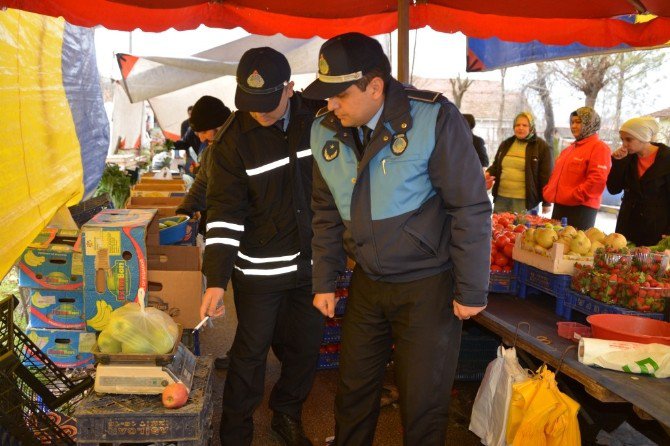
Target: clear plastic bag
[142, 330]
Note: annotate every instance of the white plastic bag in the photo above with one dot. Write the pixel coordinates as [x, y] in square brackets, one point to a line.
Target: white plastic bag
[489, 411]
[143, 330]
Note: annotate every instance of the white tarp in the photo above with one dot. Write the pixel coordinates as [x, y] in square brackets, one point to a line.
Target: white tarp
[172, 84]
[127, 122]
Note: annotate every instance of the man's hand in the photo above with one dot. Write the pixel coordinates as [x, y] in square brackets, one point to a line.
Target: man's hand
[490, 179]
[325, 303]
[462, 312]
[620, 153]
[212, 303]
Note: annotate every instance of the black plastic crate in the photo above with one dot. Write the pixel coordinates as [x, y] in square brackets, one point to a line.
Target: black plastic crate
[130, 419]
[478, 349]
[84, 211]
[36, 397]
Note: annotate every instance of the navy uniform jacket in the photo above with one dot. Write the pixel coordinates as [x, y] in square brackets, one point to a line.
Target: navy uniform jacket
[412, 206]
[258, 196]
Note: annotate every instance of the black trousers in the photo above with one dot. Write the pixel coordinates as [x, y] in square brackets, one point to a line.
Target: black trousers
[300, 335]
[418, 318]
[581, 217]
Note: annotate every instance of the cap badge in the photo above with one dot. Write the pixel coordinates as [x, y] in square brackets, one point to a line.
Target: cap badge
[331, 150]
[399, 144]
[323, 65]
[255, 80]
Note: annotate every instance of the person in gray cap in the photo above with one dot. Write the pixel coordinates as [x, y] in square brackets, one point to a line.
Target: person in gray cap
[259, 235]
[399, 188]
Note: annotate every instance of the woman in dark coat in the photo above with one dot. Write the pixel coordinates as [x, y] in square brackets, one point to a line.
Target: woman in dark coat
[520, 169]
[641, 168]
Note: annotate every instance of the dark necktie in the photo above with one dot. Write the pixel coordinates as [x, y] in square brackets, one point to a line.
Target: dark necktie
[367, 133]
[280, 124]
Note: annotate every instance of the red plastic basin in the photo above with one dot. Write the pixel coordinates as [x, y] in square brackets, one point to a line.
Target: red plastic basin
[622, 327]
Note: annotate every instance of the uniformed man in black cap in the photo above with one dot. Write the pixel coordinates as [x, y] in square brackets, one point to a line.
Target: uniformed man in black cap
[259, 234]
[398, 181]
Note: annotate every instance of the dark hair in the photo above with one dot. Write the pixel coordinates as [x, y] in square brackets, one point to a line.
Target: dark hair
[471, 120]
[190, 108]
[380, 72]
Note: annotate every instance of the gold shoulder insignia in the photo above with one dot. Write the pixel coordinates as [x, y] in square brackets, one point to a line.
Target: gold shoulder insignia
[422, 95]
[224, 127]
[322, 111]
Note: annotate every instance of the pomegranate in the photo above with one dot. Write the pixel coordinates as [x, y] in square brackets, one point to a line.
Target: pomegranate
[175, 395]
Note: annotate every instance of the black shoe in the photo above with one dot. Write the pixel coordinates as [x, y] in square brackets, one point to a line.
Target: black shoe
[222, 363]
[289, 430]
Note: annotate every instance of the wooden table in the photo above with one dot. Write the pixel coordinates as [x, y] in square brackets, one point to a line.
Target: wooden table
[649, 396]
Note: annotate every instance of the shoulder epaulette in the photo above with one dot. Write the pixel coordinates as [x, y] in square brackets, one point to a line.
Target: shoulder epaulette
[224, 127]
[322, 111]
[422, 95]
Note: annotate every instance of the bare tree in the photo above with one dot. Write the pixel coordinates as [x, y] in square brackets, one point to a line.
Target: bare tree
[628, 67]
[541, 86]
[458, 88]
[586, 74]
[501, 110]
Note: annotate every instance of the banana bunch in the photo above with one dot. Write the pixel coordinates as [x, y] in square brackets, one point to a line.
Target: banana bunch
[102, 316]
[32, 259]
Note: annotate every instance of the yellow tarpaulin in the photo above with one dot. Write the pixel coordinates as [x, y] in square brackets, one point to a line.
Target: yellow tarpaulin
[40, 161]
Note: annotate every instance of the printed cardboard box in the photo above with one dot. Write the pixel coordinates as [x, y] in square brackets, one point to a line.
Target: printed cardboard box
[53, 261]
[114, 248]
[66, 348]
[57, 309]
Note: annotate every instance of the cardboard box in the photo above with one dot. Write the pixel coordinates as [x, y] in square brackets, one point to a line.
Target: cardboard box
[114, 245]
[176, 283]
[57, 309]
[165, 206]
[66, 348]
[171, 187]
[156, 193]
[53, 261]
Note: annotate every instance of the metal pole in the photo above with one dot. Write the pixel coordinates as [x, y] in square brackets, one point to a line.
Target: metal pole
[403, 41]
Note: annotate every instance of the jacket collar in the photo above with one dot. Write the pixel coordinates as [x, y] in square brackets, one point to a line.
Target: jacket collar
[587, 140]
[296, 109]
[396, 113]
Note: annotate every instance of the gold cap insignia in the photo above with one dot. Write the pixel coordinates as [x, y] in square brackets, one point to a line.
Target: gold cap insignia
[399, 144]
[330, 150]
[255, 80]
[323, 65]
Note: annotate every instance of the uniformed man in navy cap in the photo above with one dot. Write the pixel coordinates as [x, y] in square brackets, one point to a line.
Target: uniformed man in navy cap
[399, 188]
[259, 234]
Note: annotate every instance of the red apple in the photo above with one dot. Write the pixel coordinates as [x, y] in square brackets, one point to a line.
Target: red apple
[175, 395]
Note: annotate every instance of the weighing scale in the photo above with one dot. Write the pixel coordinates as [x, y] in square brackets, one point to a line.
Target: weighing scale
[145, 374]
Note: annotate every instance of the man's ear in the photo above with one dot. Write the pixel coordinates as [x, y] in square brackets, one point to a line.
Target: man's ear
[290, 87]
[376, 87]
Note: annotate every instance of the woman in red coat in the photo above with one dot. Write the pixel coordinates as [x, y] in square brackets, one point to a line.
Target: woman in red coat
[576, 185]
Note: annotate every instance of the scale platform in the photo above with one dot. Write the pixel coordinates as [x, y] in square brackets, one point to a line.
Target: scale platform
[146, 375]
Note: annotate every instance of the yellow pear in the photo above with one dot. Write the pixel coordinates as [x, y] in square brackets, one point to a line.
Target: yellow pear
[616, 241]
[595, 234]
[568, 231]
[580, 244]
[545, 237]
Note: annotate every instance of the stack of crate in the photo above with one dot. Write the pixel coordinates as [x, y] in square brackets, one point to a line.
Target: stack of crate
[51, 275]
[329, 354]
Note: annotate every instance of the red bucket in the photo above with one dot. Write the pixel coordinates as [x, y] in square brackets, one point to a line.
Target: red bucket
[623, 327]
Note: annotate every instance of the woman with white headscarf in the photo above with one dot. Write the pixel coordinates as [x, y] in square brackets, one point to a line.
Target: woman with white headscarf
[641, 168]
[577, 183]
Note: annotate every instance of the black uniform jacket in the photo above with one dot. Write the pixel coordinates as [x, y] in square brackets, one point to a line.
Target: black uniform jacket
[258, 203]
[644, 216]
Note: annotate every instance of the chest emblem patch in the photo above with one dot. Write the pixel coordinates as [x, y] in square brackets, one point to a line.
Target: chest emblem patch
[399, 144]
[331, 150]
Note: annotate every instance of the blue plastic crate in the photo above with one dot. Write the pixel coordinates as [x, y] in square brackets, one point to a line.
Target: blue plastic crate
[587, 305]
[500, 282]
[552, 284]
[328, 361]
[341, 306]
[531, 280]
[331, 334]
